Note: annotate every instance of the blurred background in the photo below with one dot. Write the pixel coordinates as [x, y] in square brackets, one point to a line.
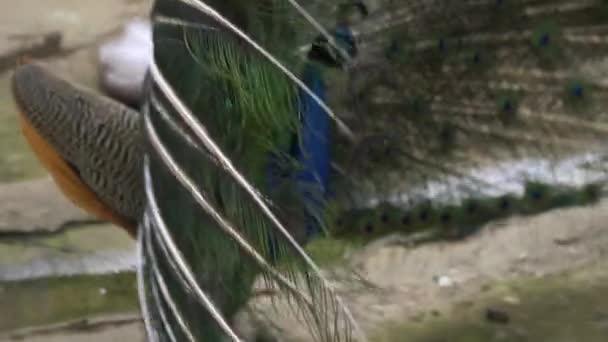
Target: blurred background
[65, 276]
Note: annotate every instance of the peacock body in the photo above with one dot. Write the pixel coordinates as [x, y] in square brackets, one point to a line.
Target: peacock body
[434, 92]
[432, 105]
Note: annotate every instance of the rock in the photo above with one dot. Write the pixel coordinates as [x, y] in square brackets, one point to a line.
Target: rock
[116, 328]
[48, 45]
[80, 22]
[36, 206]
[444, 281]
[88, 249]
[497, 316]
[566, 241]
[512, 300]
[33, 243]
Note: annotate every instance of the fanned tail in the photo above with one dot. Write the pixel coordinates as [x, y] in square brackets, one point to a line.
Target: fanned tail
[219, 109]
[456, 101]
[444, 90]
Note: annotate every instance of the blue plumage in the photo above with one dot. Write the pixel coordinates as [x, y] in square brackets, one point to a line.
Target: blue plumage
[313, 152]
[312, 149]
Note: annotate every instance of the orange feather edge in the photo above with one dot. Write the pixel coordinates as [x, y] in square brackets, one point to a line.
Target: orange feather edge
[68, 181]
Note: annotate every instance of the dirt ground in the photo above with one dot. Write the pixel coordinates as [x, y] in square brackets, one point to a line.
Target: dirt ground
[113, 328]
[402, 282]
[124, 333]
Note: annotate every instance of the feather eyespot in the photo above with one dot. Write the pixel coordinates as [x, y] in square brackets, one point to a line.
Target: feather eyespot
[544, 39]
[504, 203]
[472, 208]
[441, 45]
[476, 58]
[446, 218]
[577, 90]
[424, 215]
[507, 108]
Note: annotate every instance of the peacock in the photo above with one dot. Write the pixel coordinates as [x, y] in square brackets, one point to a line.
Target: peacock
[269, 124]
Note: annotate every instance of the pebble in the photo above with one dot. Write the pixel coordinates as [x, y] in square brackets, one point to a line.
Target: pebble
[444, 281]
[511, 300]
[497, 316]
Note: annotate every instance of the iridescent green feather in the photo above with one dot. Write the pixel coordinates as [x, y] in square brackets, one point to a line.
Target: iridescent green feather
[440, 89]
[494, 80]
[249, 108]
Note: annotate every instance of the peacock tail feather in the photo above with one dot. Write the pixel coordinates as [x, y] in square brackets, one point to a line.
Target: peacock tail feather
[243, 116]
[443, 92]
[445, 221]
[437, 92]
